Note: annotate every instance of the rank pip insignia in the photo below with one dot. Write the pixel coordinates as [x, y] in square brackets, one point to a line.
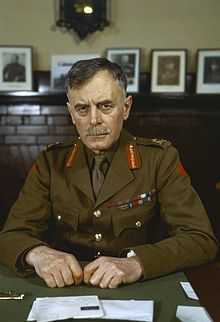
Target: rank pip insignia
[159, 141]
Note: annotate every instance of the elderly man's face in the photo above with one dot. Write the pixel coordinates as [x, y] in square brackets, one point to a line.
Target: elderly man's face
[98, 110]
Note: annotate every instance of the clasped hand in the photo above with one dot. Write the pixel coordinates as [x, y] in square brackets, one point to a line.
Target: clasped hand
[59, 269]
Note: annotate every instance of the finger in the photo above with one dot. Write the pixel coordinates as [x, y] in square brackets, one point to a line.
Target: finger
[67, 276]
[49, 280]
[89, 270]
[58, 279]
[97, 276]
[47, 277]
[76, 270]
[115, 281]
[106, 279]
[112, 277]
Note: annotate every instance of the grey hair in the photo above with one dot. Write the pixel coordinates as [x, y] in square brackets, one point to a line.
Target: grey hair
[83, 70]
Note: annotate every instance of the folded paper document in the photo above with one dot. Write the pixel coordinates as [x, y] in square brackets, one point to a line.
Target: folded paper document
[128, 310]
[61, 308]
[189, 290]
[192, 314]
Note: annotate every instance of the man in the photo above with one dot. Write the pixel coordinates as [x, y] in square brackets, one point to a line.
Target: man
[14, 71]
[70, 210]
[169, 70]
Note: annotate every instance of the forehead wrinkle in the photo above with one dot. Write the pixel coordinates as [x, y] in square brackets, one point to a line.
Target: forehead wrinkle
[98, 97]
[92, 101]
[97, 89]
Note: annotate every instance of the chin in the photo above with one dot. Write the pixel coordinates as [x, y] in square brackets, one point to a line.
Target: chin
[99, 145]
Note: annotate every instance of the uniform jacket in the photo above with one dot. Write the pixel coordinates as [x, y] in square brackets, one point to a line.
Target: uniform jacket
[145, 188]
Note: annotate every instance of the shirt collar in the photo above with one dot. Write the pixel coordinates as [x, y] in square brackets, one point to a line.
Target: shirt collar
[108, 154]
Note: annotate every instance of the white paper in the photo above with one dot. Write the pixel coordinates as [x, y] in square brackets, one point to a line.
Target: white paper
[135, 310]
[193, 314]
[189, 290]
[59, 308]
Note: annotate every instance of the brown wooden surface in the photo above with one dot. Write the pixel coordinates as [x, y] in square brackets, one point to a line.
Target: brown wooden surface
[205, 280]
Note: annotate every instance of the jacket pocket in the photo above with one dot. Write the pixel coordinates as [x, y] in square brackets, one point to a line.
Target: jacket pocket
[66, 218]
[132, 219]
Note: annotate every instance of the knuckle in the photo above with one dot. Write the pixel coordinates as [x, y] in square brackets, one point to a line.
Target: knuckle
[102, 259]
[60, 284]
[50, 282]
[45, 271]
[67, 257]
[61, 261]
[78, 280]
[78, 275]
[69, 281]
[112, 266]
[121, 273]
[86, 269]
[92, 282]
[102, 285]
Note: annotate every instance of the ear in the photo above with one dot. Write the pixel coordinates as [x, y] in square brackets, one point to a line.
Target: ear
[71, 114]
[68, 106]
[127, 107]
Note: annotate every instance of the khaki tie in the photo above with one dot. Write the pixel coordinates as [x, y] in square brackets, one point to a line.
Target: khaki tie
[97, 173]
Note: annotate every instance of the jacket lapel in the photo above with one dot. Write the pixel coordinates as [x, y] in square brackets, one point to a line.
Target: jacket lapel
[119, 174]
[78, 174]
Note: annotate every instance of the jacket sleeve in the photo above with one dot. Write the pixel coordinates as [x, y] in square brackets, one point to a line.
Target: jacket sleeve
[27, 222]
[191, 240]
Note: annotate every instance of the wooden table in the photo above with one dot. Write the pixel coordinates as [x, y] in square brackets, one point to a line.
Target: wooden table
[206, 282]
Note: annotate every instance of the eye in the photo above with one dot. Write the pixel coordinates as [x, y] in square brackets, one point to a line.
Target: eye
[82, 110]
[105, 107]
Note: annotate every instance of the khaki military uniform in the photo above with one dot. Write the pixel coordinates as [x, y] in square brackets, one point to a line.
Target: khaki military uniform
[145, 188]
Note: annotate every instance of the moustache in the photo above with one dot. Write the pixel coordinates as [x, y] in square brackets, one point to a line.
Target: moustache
[96, 131]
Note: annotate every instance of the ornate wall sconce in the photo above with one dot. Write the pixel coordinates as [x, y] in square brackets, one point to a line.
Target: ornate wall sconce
[83, 16]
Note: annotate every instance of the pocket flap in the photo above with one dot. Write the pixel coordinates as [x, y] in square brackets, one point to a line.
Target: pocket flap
[69, 217]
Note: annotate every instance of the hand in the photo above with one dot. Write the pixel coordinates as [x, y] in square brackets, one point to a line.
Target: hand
[110, 272]
[56, 268]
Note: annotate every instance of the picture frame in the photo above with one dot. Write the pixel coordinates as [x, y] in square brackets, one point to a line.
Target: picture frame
[60, 65]
[16, 72]
[129, 60]
[168, 70]
[208, 71]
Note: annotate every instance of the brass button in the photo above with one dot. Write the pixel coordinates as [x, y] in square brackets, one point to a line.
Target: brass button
[97, 213]
[98, 237]
[138, 224]
[97, 255]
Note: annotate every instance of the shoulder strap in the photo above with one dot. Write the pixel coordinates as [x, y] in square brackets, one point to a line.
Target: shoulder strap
[161, 143]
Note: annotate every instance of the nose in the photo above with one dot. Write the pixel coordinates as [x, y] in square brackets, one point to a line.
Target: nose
[95, 116]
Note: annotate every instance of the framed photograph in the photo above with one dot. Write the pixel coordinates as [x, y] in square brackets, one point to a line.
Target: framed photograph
[168, 70]
[60, 65]
[208, 71]
[15, 68]
[129, 60]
